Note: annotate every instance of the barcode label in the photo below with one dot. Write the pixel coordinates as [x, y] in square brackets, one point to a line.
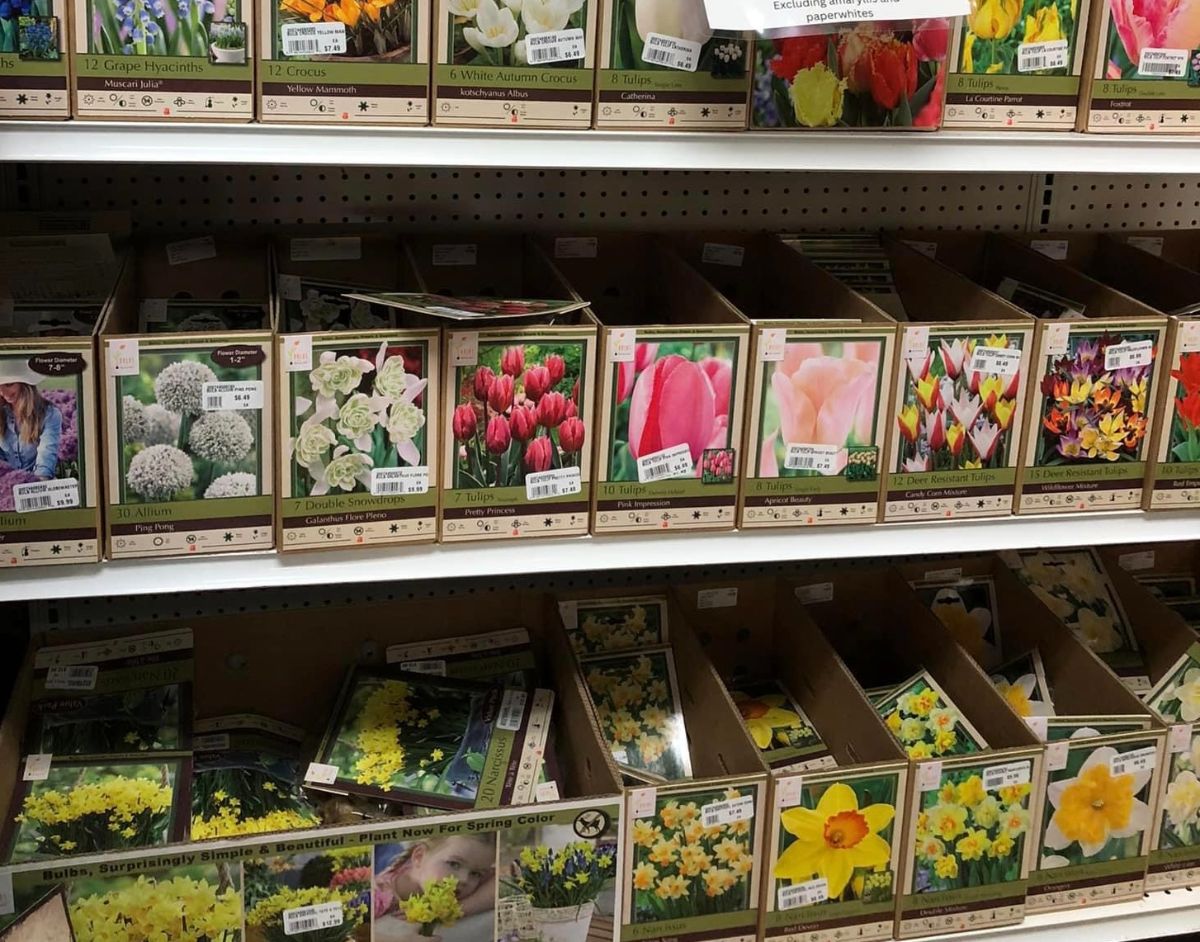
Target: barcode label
[1163, 63]
[1131, 763]
[227, 397]
[1051, 248]
[561, 45]
[191, 250]
[45, 495]
[671, 52]
[557, 482]
[392, 482]
[72, 678]
[571, 247]
[808, 893]
[718, 813]
[338, 248]
[37, 767]
[1121, 356]
[820, 458]
[1004, 776]
[213, 742]
[1032, 57]
[718, 253]
[717, 598]
[311, 918]
[673, 462]
[320, 773]
[435, 666]
[1000, 360]
[313, 39]
[464, 254]
[817, 592]
[512, 708]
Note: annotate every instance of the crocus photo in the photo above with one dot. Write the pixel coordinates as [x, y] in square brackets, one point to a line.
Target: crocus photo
[822, 393]
[172, 448]
[493, 32]
[39, 428]
[863, 75]
[1185, 422]
[356, 410]
[951, 417]
[517, 412]
[672, 393]
[1138, 25]
[634, 20]
[1091, 414]
[375, 30]
[995, 33]
[167, 28]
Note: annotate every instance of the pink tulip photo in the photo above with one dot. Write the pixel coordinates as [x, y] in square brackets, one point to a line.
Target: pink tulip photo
[1154, 24]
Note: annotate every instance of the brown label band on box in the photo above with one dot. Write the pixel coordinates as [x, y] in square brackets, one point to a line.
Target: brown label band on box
[381, 90]
[504, 94]
[229, 86]
[664, 503]
[954, 909]
[514, 510]
[943, 493]
[1170, 866]
[42, 82]
[45, 536]
[1146, 104]
[1062, 487]
[1174, 484]
[1006, 98]
[707, 935]
[187, 526]
[714, 98]
[321, 519]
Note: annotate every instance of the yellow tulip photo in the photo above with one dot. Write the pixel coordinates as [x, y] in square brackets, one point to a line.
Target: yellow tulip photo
[1019, 37]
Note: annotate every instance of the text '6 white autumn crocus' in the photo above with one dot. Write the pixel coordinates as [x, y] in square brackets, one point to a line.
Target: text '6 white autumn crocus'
[494, 28]
[682, 19]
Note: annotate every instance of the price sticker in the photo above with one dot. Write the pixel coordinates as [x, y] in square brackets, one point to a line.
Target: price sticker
[546, 791]
[312, 39]
[575, 248]
[1033, 57]
[1131, 763]
[808, 893]
[433, 666]
[1052, 248]
[191, 250]
[1151, 244]
[394, 482]
[718, 813]
[560, 45]
[213, 742]
[816, 592]
[671, 52]
[805, 457]
[312, 918]
[229, 397]
[673, 462]
[321, 774]
[1005, 776]
[337, 248]
[455, 255]
[79, 677]
[1136, 562]
[718, 253]
[512, 710]
[1123, 356]
[1163, 63]
[1002, 361]
[717, 598]
[557, 482]
[45, 495]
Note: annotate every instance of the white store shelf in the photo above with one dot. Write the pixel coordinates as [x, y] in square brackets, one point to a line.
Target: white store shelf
[295, 145]
[1155, 916]
[588, 555]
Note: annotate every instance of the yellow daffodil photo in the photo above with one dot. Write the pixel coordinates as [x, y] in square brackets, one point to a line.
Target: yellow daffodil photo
[1022, 684]
[925, 722]
[842, 833]
[279, 883]
[775, 722]
[189, 904]
[681, 868]
[1019, 37]
[967, 607]
[968, 835]
[1094, 814]
[618, 624]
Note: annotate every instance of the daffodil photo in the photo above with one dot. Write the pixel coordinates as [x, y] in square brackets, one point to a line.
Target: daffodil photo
[1022, 684]
[967, 607]
[618, 624]
[1096, 809]
[776, 723]
[682, 869]
[969, 835]
[1180, 826]
[495, 32]
[997, 34]
[843, 833]
[925, 722]
[1176, 698]
[142, 720]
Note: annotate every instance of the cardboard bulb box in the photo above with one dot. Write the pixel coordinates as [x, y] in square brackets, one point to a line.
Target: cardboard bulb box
[355, 62]
[34, 65]
[1017, 67]
[1100, 738]
[516, 414]
[670, 387]
[163, 61]
[835, 78]
[961, 867]
[358, 399]
[662, 67]
[1141, 76]
[957, 386]
[821, 358]
[1158, 587]
[354, 872]
[54, 294]
[188, 380]
[504, 65]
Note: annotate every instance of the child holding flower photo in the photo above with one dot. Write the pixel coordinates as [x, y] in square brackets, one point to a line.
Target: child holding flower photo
[430, 889]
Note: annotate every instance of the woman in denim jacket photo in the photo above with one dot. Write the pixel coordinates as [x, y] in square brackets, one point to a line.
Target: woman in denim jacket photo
[30, 427]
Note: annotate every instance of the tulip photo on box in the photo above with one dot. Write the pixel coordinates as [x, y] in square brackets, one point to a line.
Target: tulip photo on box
[516, 412]
[863, 75]
[496, 32]
[997, 36]
[1185, 420]
[823, 393]
[674, 393]
[1136, 27]
[635, 21]
[951, 417]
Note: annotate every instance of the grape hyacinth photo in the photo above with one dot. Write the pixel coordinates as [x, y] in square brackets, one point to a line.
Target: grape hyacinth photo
[163, 27]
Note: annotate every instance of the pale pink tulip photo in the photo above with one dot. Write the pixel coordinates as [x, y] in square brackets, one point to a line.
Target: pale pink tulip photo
[1155, 24]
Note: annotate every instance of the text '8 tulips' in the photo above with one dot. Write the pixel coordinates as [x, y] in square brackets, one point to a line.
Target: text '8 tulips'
[518, 414]
[953, 417]
[375, 29]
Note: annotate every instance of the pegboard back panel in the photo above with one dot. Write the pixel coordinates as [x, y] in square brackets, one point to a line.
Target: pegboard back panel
[185, 197]
[1115, 202]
